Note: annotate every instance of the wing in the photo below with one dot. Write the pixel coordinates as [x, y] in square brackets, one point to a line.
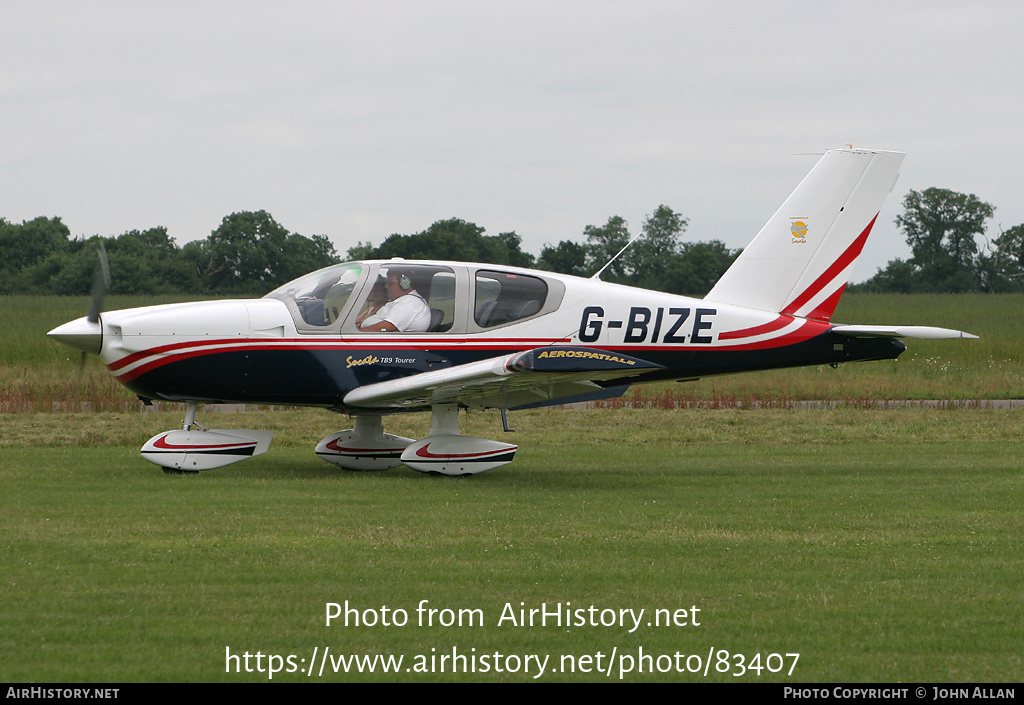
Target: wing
[541, 375]
[900, 332]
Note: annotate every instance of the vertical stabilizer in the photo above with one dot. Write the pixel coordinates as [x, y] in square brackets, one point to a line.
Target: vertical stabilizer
[800, 261]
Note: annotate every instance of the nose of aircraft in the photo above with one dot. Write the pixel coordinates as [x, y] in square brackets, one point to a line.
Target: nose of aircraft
[81, 334]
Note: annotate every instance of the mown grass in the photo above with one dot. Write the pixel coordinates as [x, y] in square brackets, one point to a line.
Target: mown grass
[880, 545]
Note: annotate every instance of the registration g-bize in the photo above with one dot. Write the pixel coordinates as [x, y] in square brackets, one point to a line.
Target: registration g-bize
[375, 338]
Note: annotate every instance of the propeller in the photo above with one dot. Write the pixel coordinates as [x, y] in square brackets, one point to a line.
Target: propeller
[100, 285]
[86, 333]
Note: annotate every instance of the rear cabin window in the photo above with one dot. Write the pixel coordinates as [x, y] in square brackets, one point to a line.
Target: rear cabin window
[504, 298]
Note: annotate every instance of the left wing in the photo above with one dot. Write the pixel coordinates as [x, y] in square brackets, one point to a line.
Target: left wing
[927, 332]
[541, 375]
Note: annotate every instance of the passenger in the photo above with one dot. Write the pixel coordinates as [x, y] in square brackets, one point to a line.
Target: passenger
[375, 301]
[405, 311]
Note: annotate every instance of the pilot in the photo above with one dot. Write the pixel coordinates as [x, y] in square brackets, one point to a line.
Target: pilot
[405, 311]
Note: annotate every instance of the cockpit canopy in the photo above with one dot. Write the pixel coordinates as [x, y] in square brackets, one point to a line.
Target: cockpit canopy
[461, 298]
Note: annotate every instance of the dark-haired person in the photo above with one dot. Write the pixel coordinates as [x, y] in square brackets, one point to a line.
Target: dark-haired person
[406, 310]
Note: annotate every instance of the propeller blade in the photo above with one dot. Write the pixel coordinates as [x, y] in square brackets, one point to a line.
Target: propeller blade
[100, 285]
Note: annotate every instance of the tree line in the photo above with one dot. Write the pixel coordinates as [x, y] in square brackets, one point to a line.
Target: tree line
[946, 230]
[658, 259]
[250, 254]
[951, 250]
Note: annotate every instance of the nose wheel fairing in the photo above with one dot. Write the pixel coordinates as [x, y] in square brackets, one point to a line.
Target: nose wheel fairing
[195, 450]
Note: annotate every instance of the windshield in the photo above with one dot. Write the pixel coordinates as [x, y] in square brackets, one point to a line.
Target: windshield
[320, 297]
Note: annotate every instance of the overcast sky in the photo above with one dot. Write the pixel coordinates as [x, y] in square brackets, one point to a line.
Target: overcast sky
[357, 120]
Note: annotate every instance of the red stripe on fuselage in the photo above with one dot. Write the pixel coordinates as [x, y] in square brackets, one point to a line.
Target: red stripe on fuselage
[321, 344]
[780, 322]
[808, 329]
[163, 354]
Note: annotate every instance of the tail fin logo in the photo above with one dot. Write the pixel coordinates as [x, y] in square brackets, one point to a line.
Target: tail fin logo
[798, 229]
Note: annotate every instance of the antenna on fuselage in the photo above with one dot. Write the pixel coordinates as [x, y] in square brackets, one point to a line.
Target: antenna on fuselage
[625, 247]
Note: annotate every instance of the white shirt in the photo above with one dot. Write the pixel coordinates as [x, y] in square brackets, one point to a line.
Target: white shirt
[408, 312]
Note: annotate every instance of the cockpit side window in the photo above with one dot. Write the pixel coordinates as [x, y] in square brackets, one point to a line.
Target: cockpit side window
[442, 301]
[412, 298]
[504, 298]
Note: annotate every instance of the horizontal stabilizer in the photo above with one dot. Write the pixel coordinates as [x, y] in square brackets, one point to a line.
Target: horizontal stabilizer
[926, 332]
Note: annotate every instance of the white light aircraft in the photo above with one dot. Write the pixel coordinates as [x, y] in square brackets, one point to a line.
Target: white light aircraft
[454, 335]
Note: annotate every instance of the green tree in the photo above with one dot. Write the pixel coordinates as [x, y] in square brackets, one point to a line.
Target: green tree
[453, 239]
[66, 273]
[251, 253]
[603, 243]
[514, 251]
[244, 254]
[141, 262]
[148, 262]
[648, 259]
[898, 277]
[303, 255]
[1003, 268]
[566, 257]
[695, 269]
[25, 247]
[361, 250]
[941, 227]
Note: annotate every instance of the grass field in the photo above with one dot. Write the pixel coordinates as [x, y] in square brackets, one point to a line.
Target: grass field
[880, 546]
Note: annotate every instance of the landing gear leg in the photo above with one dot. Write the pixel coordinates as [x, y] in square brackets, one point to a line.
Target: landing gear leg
[444, 420]
[190, 417]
